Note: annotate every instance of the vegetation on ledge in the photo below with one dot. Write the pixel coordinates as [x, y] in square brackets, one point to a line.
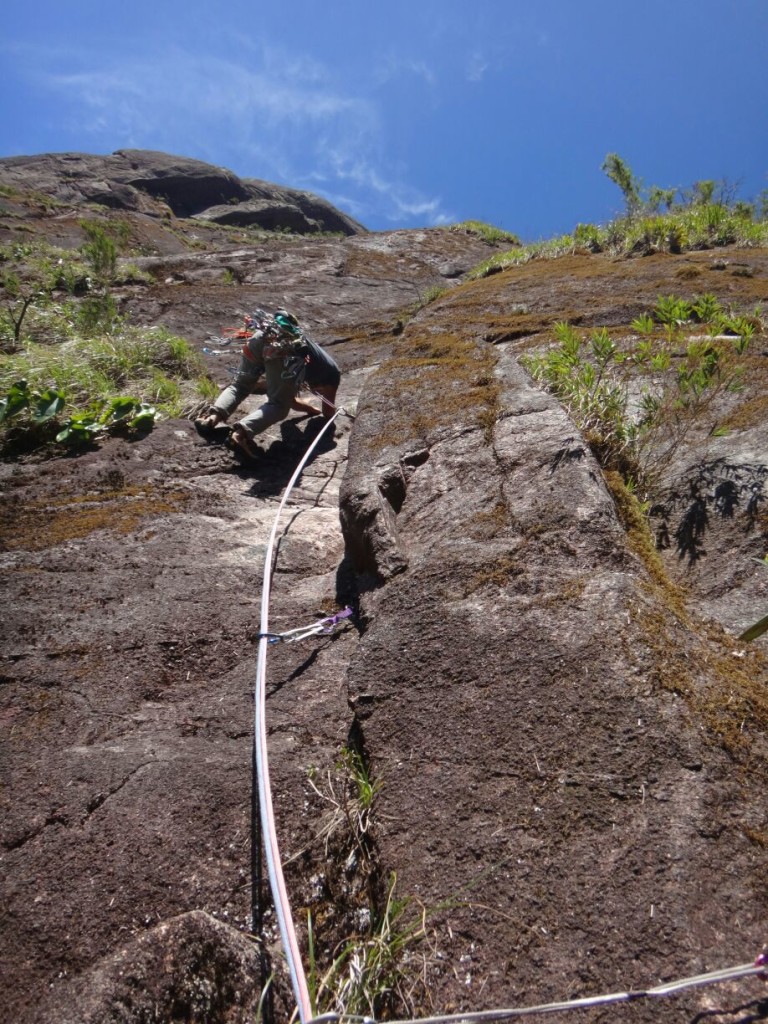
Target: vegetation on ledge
[706, 216]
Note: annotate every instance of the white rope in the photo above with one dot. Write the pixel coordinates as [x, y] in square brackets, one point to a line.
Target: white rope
[277, 879]
[271, 850]
[670, 988]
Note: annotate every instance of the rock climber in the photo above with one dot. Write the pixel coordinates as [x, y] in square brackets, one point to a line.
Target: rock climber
[287, 358]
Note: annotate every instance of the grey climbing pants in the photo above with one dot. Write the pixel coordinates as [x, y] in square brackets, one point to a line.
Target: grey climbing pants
[281, 392]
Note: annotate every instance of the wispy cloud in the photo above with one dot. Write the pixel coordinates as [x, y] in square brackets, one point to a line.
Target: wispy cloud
[398, 202]
[278, 117]
[181, 93]
[400, 66]
[477, 65]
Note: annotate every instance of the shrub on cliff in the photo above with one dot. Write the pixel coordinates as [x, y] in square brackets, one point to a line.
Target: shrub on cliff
[101, 383]
[638, 400]
[705, 216]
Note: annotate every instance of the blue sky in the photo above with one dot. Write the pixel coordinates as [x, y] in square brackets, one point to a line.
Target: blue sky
[404, 113]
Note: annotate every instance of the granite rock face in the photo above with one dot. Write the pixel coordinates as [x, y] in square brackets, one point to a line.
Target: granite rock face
[568, 740]
[144, 181]
[518, 687]
[189, 967]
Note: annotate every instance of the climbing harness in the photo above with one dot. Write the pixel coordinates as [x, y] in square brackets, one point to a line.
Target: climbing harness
[294, 367]
[281, 347]
[323, 627]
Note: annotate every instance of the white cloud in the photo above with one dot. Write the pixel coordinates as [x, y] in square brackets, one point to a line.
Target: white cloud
[179, 92]
[398, 201]
[397, 65]
[277, 117]
[477, 65]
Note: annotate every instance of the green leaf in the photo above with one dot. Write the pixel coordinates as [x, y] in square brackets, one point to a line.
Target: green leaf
[47, 405]
[660, 362]
[643, 324]
[17, 399]
[707, 308]
[81, 429]
[145, 419]
[120, 408]
[756, 630]
[603, 348]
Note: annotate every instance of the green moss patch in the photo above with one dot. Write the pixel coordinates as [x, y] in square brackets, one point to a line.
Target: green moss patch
[438, 380]
[38, 525]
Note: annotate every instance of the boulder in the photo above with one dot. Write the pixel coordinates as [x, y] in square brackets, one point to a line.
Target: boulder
[191, 967]
[146, 181]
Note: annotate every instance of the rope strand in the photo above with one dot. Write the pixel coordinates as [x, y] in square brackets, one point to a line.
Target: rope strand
[484, 1016]
[271, 849]
[277, 879]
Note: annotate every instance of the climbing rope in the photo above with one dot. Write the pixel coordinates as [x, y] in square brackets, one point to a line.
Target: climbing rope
[275, 869]
[266, 811]
[482, 1017]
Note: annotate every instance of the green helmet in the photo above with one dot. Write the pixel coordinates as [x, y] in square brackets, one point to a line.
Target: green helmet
[287, 322]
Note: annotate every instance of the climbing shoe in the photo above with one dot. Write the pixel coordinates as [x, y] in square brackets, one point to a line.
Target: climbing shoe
[207, 423]
[242, 444]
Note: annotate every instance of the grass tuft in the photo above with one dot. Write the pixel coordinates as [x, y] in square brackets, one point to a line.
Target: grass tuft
[155, 366]
[487, 232]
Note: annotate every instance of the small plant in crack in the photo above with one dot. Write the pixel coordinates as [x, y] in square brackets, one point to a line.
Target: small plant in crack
[368, 948]
[349, 793]
[637, 399]
[366, 788]
[373, 974]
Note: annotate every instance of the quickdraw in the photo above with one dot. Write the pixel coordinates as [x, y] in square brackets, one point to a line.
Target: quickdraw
[323, 627]
[259, 320]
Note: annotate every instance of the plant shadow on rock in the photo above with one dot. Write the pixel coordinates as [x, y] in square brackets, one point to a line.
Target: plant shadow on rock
[717, 488]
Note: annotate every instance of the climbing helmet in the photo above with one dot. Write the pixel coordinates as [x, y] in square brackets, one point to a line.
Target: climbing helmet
[287, 322]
